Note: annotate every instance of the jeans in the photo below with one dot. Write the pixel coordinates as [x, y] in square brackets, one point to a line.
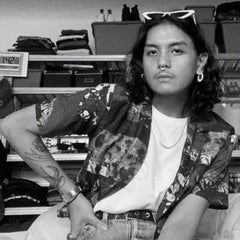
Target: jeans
[49, 227]
[215, 225]
[133, 229]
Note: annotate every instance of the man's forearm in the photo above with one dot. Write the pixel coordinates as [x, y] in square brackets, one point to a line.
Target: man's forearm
[177, 233]
[32, 150]
[183, 222]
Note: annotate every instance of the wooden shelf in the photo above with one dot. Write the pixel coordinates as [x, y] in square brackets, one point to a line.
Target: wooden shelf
[25, 210]
[230, 100]
[44, 90]
[87, 58]
[227, 56]
[31, 95]
[57, 157]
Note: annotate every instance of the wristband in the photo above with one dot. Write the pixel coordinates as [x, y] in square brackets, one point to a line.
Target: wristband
[71, 195]
[69, 198]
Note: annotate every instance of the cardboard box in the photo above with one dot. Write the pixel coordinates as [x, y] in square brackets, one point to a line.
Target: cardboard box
[57, 78]
[87, 78]
[115, 37]
[33, 79]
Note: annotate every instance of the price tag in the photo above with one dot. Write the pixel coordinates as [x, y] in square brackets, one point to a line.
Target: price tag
[13, 64]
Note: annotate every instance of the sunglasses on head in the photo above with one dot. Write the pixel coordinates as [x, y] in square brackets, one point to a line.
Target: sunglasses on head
[181, 14]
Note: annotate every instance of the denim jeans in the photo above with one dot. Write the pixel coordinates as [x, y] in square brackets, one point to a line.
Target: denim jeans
[120, 229]
[49, 227]
[215, 225]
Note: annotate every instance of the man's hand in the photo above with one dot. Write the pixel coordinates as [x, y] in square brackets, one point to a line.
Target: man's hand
[81, 213]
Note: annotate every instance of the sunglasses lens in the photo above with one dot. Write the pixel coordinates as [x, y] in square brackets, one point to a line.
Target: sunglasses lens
[156, 16]
[178, 14]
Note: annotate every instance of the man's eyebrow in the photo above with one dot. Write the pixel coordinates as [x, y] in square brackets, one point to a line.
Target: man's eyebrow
[178, 44]
[171, 44]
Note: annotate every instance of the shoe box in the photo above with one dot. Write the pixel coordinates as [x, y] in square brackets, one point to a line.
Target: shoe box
[60, 78]
[87, 78]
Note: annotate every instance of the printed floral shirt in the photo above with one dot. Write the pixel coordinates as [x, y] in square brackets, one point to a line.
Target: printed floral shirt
[119, 134]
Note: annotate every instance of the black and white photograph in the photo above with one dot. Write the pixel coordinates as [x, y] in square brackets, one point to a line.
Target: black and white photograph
[119, 120]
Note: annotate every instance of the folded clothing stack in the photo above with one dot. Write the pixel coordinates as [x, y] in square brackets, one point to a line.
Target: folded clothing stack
[23, 193]
[34, 45]
[73, 42]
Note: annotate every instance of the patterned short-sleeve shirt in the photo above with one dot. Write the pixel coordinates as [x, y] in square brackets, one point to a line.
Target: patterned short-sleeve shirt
[119, 132]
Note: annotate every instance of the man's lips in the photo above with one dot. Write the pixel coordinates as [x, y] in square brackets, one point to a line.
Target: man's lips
[163, 75]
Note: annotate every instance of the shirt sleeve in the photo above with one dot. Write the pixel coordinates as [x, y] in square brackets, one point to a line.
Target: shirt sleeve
[77, 113]
[214, 183]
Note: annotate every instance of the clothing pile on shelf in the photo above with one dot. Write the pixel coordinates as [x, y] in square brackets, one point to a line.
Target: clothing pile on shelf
[73, 42]
[34, 45]
[23, 193]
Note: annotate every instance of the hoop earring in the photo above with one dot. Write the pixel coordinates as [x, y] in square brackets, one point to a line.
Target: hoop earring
[200, 75]
[142, 76]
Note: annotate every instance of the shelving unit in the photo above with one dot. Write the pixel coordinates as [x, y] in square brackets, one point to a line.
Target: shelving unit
[229, 63]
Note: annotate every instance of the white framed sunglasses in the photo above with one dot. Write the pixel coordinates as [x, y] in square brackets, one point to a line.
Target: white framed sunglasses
[181, 14]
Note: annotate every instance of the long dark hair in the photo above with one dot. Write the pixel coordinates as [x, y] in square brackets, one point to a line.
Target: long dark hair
[202, 96]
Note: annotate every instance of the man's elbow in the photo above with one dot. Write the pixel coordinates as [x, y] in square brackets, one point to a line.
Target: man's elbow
[9, 124]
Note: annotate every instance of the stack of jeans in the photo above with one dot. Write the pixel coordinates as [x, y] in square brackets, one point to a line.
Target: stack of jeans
[34, 45]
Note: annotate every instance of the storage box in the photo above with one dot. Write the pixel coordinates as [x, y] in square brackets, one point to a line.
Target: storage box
[208, 30]
[57, 78]
[117, 77]
[203, 13]
[33, 79]
[87, 78]
[115, 37]
[231, 36]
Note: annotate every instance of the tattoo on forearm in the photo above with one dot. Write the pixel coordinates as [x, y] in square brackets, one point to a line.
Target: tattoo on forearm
[39, 145]
[53, 175]
[34, 155]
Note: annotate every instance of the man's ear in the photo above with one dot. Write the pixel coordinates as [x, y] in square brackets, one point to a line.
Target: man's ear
[202, 60]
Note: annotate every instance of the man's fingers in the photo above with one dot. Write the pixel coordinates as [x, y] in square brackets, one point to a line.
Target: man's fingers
[99, 224]
[75, 229]
[70, 236]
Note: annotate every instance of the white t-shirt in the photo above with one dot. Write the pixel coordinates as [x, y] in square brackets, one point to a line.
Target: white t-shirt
[147, 188]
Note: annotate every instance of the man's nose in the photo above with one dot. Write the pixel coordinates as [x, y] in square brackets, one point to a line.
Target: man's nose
[164, 60]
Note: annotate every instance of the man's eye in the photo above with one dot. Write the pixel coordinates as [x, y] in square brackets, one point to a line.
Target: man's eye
[152, 53]
[177, 51]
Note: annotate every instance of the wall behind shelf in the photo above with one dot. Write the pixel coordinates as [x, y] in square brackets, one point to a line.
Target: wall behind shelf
[46, 18]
